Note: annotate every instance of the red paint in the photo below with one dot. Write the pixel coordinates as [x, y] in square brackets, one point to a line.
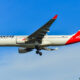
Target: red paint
[55, 17]
[24, 39]
[75, 38]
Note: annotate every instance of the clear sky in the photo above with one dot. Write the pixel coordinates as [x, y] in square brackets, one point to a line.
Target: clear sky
[22, 17]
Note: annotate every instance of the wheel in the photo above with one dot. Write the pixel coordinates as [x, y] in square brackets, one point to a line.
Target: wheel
[37, 52]
[40, 53]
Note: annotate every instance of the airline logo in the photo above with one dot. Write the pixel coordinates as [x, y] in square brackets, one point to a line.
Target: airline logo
[75, 38]
[78, 37]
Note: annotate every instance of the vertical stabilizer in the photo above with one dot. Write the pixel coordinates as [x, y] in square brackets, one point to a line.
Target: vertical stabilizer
[75, 38]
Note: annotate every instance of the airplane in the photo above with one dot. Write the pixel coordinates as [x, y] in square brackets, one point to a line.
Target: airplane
[39, 40]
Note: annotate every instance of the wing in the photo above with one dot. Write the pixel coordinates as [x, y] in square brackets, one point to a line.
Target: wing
[41, 32]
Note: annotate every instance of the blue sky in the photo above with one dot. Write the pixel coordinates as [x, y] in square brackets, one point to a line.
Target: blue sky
[22, 17]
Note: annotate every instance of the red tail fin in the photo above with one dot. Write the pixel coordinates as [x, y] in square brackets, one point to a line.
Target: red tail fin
[75, 38]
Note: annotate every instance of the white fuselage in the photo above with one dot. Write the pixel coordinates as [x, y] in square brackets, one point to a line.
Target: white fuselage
[46, 41]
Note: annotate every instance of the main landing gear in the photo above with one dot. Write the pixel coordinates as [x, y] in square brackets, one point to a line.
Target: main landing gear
[38, 50]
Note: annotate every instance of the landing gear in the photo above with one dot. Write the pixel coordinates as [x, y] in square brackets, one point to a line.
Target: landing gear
[40, 53]
[38, 50]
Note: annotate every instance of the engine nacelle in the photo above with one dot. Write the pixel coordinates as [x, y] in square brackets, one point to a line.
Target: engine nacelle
[24, 50]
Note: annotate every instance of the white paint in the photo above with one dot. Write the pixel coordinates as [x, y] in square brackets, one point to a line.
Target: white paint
[46, 41]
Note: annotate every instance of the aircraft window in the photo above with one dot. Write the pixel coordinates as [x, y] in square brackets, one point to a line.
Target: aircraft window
[6, 36]
[58, 37]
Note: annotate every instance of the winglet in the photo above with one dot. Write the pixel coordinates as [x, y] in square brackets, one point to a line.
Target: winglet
[55, 17]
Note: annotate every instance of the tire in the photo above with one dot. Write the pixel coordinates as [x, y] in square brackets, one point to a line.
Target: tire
[37, 52]
[40, 53]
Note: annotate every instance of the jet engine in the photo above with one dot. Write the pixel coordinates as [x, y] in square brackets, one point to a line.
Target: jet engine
[24, 50]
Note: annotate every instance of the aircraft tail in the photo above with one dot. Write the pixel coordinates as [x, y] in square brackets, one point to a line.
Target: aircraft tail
[75, 38]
